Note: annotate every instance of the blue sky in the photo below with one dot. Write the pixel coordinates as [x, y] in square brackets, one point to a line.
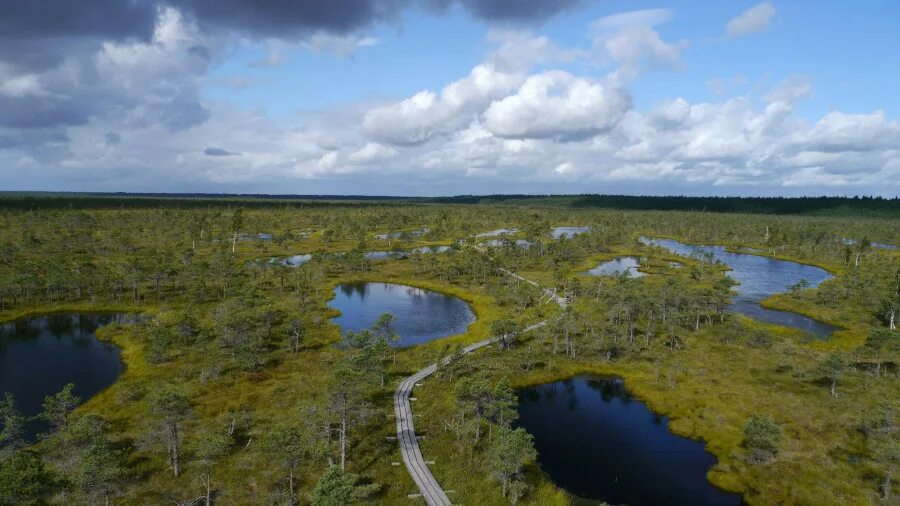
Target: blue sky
[848, 50]
[700, 97]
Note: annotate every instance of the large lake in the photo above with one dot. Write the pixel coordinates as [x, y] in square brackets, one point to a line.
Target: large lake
[599, 443]
[40, 355]
[759, 278]
[419, 315]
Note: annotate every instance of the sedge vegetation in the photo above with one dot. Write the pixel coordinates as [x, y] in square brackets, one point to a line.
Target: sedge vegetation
[238, 389]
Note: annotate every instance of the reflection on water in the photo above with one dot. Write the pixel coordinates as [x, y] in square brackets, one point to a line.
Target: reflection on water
[519, 243]
[410, 233]
[617, 266]
[569, 232]
[262, 236]
[295, 260]
[759, 278]
[419, 315]
[597, 442]
[40, 355]
[877, 245]
[499, 231]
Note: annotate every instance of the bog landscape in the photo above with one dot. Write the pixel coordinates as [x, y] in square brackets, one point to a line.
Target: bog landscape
[246, 351]
[449, 252]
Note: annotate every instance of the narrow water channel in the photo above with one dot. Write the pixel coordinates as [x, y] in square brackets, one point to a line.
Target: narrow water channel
[759, 277]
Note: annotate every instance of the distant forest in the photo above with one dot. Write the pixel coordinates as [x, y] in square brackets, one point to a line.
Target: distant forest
[826, 206]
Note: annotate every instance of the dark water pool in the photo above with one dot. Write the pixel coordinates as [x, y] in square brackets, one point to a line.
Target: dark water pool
[759, 277]
[40, 355]
[599, 443]
[419, 315]
[617, 266]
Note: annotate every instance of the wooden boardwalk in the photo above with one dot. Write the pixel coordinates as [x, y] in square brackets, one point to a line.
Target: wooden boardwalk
[429, 488]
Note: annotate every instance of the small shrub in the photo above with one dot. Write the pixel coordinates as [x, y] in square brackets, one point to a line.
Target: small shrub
[762, 437]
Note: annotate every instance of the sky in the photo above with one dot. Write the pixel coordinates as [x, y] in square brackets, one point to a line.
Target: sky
[447, 97]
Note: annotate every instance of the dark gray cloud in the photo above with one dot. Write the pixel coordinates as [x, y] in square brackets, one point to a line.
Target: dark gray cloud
[107, 19]
[211, 151]
[39, 33]
[40, 112]
[291, 18]
[288, 18]
[66, 63]
[518, 10]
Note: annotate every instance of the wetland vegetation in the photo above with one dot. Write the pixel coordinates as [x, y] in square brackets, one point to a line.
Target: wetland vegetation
[228, 388]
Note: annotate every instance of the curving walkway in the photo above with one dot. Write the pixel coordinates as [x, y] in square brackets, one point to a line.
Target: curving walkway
[429, 488]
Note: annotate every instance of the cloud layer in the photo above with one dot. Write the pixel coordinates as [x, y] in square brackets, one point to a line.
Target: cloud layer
[122, 109]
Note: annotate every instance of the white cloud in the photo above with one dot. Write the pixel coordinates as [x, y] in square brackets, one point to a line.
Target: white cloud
[556, 105]
[516, 122]
[18, 86]
[753, 20]
[791, 89]
[724, 85]
[841, 132]
[631, 19]
[427, 115]
[519, 51]
[338, 45]
[372, 153]
[630, 41]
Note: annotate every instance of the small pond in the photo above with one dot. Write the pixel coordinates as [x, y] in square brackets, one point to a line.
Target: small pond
[876, 245]
[568, 232]
[295, 260]
[759, 277]
[419, 315]
[381, 255]
[499, 231]
[41, 354]
[262, 236]
[395, 235]
[617, 266]
[520, 243]
[599, 443]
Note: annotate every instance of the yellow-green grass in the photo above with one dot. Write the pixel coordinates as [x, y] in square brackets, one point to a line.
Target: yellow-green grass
[287, 383]
[733, 247]
[716, 387]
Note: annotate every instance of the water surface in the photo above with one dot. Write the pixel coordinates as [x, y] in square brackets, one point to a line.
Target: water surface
[262, 236]
[295, 260]
[381, 255]
[877, 245]
[759, 278]
[617, 266]
[41, 354]
[395, 235]
[597, 442]
[569, 232]
[419, 315]
[499, 231]
[520, 243]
